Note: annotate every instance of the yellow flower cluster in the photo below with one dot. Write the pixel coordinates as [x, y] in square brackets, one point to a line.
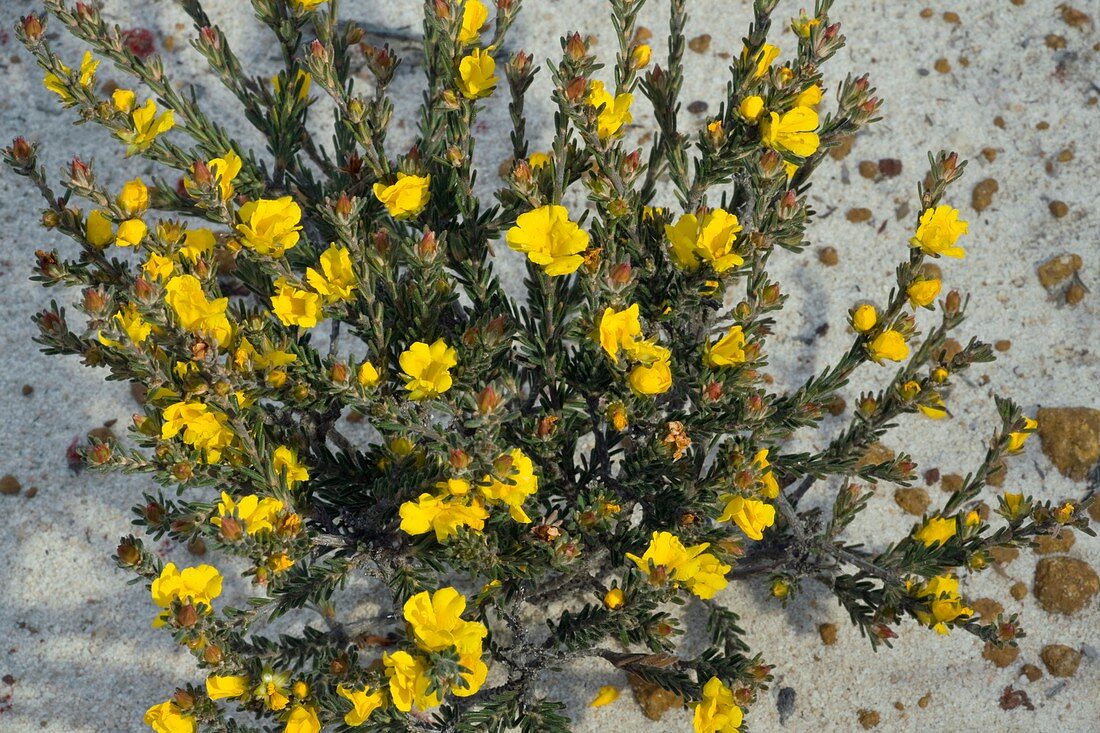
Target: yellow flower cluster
[202, 428]
[197, 314]
[621, 331]
[86, 79]
[667, 559]
[406, 197]
[750, 514]
[270, 226]
[709, 238]
[944, 604]
[435, 624]
[253, 513]
[550, 239]
[717, 711]
[144, 123]
[197, 585]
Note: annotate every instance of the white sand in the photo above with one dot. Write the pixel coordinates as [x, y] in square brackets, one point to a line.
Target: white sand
[77, 641]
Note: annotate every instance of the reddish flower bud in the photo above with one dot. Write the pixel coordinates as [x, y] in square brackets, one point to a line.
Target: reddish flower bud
[32, 26]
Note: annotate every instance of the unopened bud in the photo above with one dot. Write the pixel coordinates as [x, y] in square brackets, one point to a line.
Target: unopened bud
[32, 26]
[128, 552]
[488, 400]
[21, 151]
[459, 459]
[621, 273]
[577, 89]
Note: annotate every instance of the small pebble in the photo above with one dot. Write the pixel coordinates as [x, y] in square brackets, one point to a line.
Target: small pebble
[828, 256]
[700, 44]
[858, 216]
[868, 169]
[982, 196]
[828, 633]
[9, 485]
[1058, 209]
[27, 390]
[1002, 345]
[1018, 591]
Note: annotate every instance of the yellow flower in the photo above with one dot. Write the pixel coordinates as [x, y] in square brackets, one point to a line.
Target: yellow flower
[667, 558]
[302, 82]
[922, 291]
[197, 585]
[751, 108]
[145, 125]
[443, 515]
[640, 55]
[888, 345]
[711, 240]
[336, 280]
[550, 239]
[185, 296]
[286, 462]
[764, 58]
[168, 718]
[367, 375]
[520, 483]
[606, 695]
[614, 599]
[538, 160]
[131, 322]
[202, 430]
[273, 689]
[98, 229]
[653, 379]
[307, 4]
[158, 267]
[131, 233]
[944, 603]
[939, 230]
[303, 719]
[477, 74]
[1016, 440]
[474, 15]
[219, 687]
[803, 24]
[474, 674]
[197, 243]
[619, 329]
[295, 307]
[406, 197]
[793, 132]
[717, 711]
[409, 682]
[864, 318]
[436, 622]
[270, 226]
[56, 84]
[726, 351]
[936, 531]
[224, 171]
[1015, 506]
[363, 703]
[427, 368]
[751, 515]
[770, 486]
[810, 97]
[133, 199]
[615, 112]
[933, 407]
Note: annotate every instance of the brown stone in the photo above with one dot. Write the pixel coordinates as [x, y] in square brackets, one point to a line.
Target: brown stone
[912, 500]
[1001, 657]
[1057, 270]
[1065, 584]
[1065, 155]
[828, 256]
[1012, 698]
[1055, 42]
[698, 107]
[889, 167]
[1058, 209]
[868, 718]
[951, 482]
[836, 406]
[642, 35]
[700, 44]
[996, 476]
[999, 121]
[27, 390]
[990, 154]
[942, 65]
[9, 485]
[1075, 293]
[987, 609]
[1002, 345]
[1094, 509]
[1070, 438]
[858, 216]
[982, 196]
[1004, 556]
[1018, 590]
[1052, 544]
[924, 700]
[926, 13]
[1032, 672]
[653, 699]
[1060, 660]
[877, 453]
[843, 147]
[828, 633]
[931, 476]
[868, 169]
[1074, 18]
[951, 17]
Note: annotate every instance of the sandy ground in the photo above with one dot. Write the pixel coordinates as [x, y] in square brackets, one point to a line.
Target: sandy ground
[1012, 78]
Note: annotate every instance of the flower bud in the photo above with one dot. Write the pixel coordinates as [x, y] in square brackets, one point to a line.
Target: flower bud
[953, 303]
[577, 89]
[21, 152]
[488, 400]
[318, 51]
[459, 459]
[231, 529]
[187, 616]
[212, 654]
[546, 426]
[128, 552]
[575, 47]
[32, 26]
